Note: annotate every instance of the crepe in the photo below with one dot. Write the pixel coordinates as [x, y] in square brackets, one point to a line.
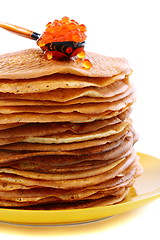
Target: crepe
[66, 137]
[31, 63]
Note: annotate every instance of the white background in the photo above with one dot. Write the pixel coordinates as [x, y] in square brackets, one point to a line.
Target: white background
[129, 29]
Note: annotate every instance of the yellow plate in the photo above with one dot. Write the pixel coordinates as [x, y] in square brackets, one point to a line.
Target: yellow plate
[146, 188]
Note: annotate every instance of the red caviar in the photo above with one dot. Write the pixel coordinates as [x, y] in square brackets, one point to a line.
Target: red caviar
[87, 64]
[81, 54]
[64, 38]
[63, 30]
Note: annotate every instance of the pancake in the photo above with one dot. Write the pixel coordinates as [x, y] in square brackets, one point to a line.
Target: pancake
[27, 197]
[44, 194]
[119, 180]
[87, 108]
[65, 205]
[79, 148]
[66, 137]
[42, 129]
[73, 117]
[65, 157]
[31, 63]
[61, 96]
[25, 102]
[41, 164]
[80, 86]
[19, 144]
[67, 181]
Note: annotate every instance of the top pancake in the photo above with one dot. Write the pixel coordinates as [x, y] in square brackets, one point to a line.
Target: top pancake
[31, 63]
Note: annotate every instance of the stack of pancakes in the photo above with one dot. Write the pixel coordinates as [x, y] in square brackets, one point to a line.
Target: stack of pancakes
[66, 139]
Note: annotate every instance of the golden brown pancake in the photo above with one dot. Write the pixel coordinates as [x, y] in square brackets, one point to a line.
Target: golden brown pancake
[73, 117]
[86, 108]
[61, 96]
[70, 180]
[52, 204]
[66, 137]
[31, 63]
[67, 83]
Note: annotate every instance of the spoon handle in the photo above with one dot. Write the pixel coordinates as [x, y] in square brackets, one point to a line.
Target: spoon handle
[23, 32]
